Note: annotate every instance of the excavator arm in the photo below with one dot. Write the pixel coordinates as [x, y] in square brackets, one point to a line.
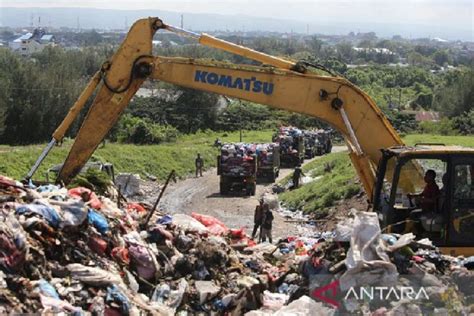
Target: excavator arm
[283, 84]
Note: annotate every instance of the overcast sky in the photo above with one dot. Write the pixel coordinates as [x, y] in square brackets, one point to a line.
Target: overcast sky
[457, 14]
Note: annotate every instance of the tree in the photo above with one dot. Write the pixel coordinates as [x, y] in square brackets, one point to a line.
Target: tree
[457, 95]
[315, 45]
[441, 57]
[345, 51]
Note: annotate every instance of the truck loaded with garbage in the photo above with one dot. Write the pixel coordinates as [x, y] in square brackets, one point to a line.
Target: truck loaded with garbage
[292, 148]
[268, 161]
[317, 143]
[237, 168]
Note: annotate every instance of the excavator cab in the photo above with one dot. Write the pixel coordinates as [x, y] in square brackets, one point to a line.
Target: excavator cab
[448, 220]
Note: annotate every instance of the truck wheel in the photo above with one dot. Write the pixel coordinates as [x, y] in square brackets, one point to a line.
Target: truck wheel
[223, 189]
[254, 189]
[272, 177]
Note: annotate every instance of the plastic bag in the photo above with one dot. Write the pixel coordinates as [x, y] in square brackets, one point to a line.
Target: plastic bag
[44, 210]
[93, 276]
[274, 301]
[301, 307]
[98, 221]
[367, 262]
[215, 226]
[143, 261]
[135, 207]
[114, 295]
[188, 223]
[344, 230]
[74, 212]
[93, 199]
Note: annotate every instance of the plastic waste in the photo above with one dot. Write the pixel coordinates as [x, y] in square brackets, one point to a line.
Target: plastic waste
[367, 262]
[165, 220]
[121, 255]
[468, 263]
[93, 200]
[215, 226]
[115, 295]
[54, 305]
[161, 293]
[44, 210]
[74, 212]
[98, 221]
[206, 290]
[93, 276]
[135, 207]
[187, 223]
[47, 289]
[344, 230]
[142, 260]
[98, 245]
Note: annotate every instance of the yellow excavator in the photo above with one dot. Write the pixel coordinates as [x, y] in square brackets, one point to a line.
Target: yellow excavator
[388, 170]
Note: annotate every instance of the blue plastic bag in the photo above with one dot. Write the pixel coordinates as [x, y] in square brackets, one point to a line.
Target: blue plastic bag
[115, 295]
[165, 220]
[98, 221]
[46, 211]
[47, 289]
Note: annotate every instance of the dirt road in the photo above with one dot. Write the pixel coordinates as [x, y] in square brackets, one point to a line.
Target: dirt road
[201, 195]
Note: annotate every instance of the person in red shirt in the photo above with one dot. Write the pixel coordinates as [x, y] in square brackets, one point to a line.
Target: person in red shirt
[428, 199]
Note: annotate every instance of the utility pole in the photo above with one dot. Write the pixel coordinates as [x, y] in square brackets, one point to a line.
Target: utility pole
[182, 22]
[240, 119]
[400, 97]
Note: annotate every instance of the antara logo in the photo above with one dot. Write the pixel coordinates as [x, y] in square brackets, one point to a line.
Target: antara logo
[247, 84]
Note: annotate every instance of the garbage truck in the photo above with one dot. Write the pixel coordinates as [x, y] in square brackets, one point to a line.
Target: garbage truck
[292, 147]
[312, 146]
[237, 168]
[268, 162]
[324, 141]
[317, 142]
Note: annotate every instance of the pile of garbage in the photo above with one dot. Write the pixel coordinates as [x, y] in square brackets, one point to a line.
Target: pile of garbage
[265, 153]
[238, 158]
[287, 138]
[290, 131]
[75, 252]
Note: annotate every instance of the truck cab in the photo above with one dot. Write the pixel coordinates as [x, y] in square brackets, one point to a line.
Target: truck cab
[450, 219]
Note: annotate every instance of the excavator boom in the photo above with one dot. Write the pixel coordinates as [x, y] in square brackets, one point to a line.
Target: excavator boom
[285, 85]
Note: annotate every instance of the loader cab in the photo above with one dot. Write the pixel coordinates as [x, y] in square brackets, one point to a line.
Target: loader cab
[448, 219]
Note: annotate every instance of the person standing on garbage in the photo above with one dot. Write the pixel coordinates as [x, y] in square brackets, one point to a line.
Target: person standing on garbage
[266, 230]
[199, 164]
[297, 174]
[257, 218]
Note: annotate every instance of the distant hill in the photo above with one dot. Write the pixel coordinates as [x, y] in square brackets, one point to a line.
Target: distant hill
[88, 18]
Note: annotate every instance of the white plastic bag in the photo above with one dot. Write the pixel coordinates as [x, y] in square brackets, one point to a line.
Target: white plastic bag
[367, 262]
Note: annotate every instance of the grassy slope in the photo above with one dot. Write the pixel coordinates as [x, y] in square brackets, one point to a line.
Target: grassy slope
[336, 182]
[467, 141]
[339, 182]
[157, 160]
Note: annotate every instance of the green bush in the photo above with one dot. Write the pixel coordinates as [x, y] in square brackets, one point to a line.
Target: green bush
[465, 123]
[444, 127]
[135, 130]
